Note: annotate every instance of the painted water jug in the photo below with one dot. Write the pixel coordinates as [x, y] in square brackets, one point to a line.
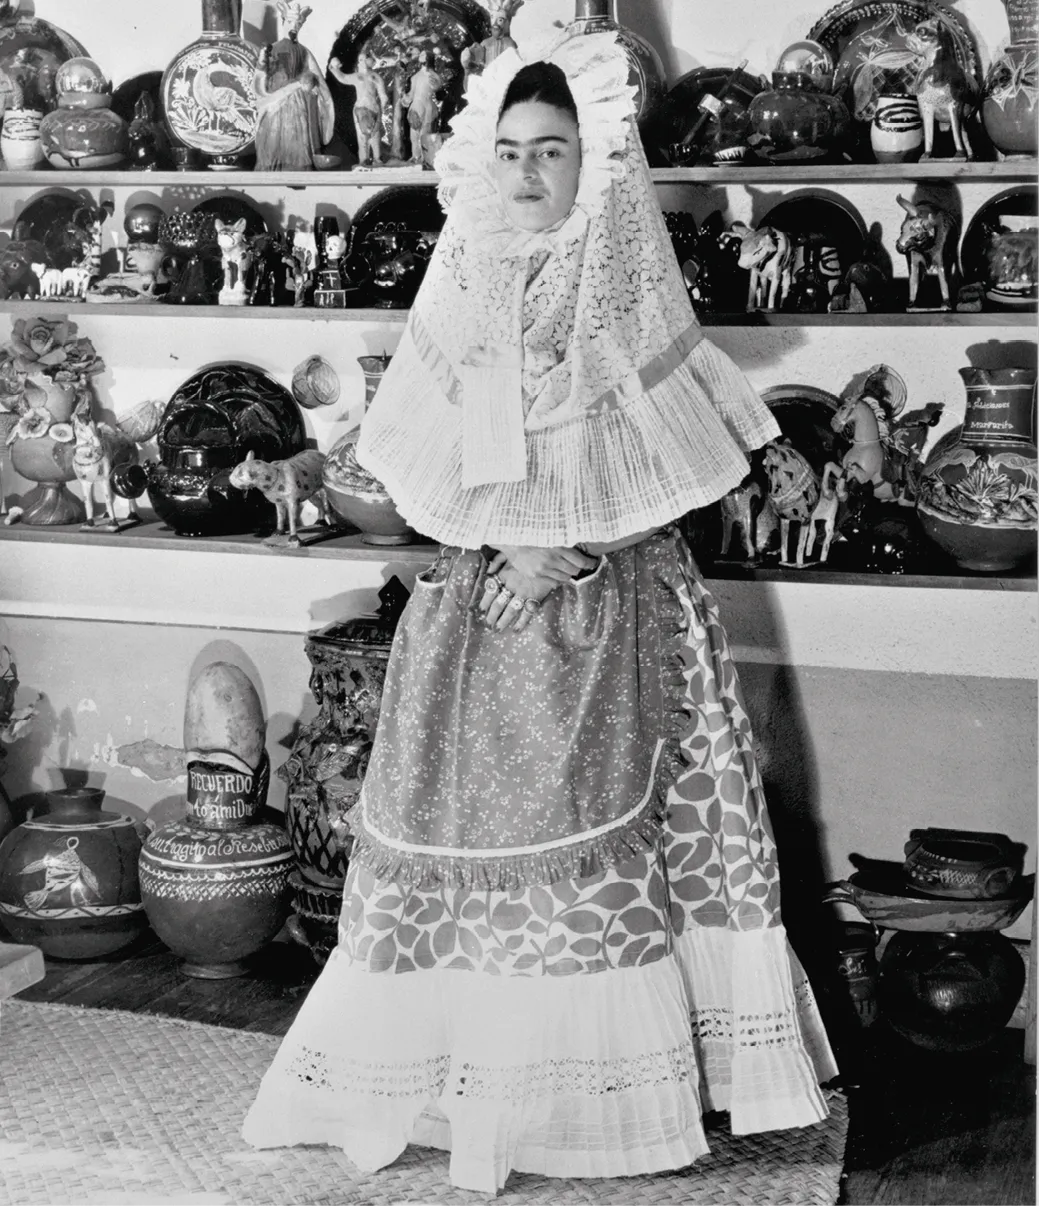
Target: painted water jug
[977, 496]
[645, 69]
[215, 885]
[68, 877]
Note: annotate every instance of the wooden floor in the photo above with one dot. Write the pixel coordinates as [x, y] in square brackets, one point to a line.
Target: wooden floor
[936, 1129]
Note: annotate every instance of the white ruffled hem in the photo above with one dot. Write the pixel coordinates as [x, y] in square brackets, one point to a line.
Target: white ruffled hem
[576, 1076]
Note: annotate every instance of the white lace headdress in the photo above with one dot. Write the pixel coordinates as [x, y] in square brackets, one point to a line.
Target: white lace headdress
[555, 387]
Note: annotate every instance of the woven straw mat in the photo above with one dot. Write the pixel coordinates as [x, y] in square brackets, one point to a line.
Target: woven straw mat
[106, 1107]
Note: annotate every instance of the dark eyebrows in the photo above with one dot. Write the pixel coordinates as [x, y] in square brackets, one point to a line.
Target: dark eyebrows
[533, 142]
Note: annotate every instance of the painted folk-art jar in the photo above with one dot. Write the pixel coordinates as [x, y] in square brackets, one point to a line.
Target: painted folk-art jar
[977, 496]
[68, 878]
[215, 885]
[325, 768]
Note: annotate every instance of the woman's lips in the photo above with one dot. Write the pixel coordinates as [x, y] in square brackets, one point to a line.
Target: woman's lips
[528, 197]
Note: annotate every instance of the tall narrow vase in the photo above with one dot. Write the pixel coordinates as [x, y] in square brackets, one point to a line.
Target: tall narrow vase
[977, 497]
[207, 89]
[645, 70]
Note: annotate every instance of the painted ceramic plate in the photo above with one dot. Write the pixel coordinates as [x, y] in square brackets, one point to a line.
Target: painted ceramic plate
[832, 225]
[208, 98]
[804, 413]
[31, 51]
[380, 30]
[725, 122]
[995, 217]
[399, 207]
[886, 900]
[869, 42]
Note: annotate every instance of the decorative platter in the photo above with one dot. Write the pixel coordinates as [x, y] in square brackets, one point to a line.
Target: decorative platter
[804, 414]
[870, 45]
[396, 208]
[887, 901]
[379, 29]
[724, 124]
[834, 227]
[124, 97]
[31, 51]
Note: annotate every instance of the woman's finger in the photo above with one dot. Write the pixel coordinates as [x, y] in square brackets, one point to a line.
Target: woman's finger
[510, 613]
[494, 612]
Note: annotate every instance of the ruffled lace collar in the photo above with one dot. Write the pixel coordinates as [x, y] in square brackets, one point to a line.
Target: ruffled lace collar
[598, 79]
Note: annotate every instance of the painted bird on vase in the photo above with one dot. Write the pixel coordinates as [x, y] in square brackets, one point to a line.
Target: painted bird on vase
[61, 871]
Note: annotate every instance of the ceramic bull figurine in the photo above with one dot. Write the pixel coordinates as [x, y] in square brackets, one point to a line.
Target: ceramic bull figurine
[927, 240]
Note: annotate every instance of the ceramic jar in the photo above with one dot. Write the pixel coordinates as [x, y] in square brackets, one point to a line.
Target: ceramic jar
[977, 496]
[215, 885]
[794, 121]
[1010, 108]
[358, 498]
[207, 90]
[1013, 263]
[897, 131]
[20, 142]
[949, 992]
[645, 70]
[68, 878]
[83, 131]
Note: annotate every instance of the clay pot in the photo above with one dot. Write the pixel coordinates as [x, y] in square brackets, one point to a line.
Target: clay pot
[360, 499]
[1011, 105]
[794, 121]
[20, 140]
[897, 131]
[68, 878]
[215, 885]
[949, 992]
[977, 496]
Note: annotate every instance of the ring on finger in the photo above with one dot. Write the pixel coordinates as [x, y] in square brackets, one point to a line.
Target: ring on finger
[531, 605]
[515, 604]
[493, 584]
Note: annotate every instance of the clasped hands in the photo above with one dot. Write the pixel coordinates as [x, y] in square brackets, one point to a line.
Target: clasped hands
[520, 577]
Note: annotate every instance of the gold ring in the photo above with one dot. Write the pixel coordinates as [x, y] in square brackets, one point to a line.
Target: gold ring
[493, 584]
[531, 605]
[516, 603]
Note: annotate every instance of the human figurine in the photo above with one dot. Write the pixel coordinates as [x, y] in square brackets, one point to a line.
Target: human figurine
[480, 55]
[370, 105]
[299, 259]
[295, 114]
[423, 110]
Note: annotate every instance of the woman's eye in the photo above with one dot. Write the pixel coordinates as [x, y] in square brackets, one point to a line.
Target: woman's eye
[550, 154]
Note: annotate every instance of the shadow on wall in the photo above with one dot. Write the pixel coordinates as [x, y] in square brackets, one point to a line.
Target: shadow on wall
[790, 778]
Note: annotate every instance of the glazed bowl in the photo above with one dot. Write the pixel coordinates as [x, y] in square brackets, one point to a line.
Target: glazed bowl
[360, 499]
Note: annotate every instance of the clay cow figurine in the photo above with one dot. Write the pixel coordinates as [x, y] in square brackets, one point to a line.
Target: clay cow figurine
[769, 254]
[928, 243]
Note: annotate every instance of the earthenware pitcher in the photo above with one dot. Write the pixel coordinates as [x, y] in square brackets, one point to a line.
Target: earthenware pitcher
[977, 497]
[645, 70]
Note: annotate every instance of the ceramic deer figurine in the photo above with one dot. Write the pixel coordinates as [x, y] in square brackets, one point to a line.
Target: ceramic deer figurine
[928, 243]
[769, 254]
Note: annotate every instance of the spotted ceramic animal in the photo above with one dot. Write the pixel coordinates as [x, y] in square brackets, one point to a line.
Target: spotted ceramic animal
[287, 484]
[769, 254]
[793, 491]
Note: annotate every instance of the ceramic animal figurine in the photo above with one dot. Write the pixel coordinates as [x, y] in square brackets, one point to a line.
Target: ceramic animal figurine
[943, 90]
[769, 254]
[833, 490]
[100, 448]
[747, 508]
[236, 256]
[793, 491]
[927, 241]
[370, 104]
[49, 281]
[287, 484]
[884, 453]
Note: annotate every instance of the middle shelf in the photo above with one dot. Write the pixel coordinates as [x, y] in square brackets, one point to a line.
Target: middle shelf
[371, 314]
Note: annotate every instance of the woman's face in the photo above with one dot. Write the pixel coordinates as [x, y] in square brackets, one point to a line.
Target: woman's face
[537, 164]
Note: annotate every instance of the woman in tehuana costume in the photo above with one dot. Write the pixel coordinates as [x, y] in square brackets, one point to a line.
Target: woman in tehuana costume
[560, 939]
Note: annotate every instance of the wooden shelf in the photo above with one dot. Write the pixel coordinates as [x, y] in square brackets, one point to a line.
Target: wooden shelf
[350, 547]
[371, 314]
[862, 173]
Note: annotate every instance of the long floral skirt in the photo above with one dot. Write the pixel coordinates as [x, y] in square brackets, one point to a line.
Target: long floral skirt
[575, 1028]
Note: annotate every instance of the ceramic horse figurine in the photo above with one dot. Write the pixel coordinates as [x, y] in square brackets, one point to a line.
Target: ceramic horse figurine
[748, 509]
[943, 90]
[833, 490]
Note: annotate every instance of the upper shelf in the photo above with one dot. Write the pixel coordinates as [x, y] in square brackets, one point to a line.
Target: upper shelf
[1010, 170]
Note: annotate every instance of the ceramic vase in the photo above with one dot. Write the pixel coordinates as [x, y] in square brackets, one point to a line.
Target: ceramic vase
[977, 496]
[645, 70]
[1010, 107]
[207, 90]
[215, 885]
[47, 461]
[795, 122]
[949, 992]
[83, 131]
[1012, 261]
[68, 878]
[20, 142]
[897, 131]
